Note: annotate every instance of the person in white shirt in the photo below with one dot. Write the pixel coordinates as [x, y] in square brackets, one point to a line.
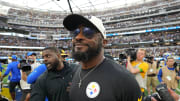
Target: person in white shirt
[26, 88]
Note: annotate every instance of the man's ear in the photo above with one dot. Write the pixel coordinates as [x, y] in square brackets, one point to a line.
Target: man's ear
[59, 56]
[104, 42]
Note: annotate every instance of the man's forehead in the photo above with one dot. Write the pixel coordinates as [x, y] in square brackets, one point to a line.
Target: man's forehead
[141, 51]
[47, 52]
[89, 26]
[32, 55]
[171, 59]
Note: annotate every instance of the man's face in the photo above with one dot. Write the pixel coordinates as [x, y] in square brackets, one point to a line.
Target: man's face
[51, 59]
[32, 57]
[85, 48]
[140, 54]
[170, 62]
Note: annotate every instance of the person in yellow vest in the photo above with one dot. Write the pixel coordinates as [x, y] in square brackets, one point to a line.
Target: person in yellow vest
[168, 75]
[139, 68]
[151, 75]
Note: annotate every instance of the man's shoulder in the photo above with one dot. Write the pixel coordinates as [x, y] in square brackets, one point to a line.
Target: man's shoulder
[144, 63]
[116, 68]
[73, 66]
[11, 64]
[43, 76]
[119, 73]
[113, 63]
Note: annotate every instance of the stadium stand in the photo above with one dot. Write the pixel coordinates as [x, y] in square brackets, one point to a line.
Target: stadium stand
[138, 26]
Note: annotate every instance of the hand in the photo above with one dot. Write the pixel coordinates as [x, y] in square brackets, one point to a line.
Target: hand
[128, 58]
[172, 93]
[153, 99]
[177, 77]
[68, 87]
[162, 82]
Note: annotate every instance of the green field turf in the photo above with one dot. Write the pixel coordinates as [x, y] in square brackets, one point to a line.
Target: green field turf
[6, 78]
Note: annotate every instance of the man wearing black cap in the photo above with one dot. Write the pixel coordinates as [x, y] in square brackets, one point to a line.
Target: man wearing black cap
[99, 78]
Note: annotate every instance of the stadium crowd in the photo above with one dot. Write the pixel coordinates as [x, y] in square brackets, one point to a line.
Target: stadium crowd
[145, 37]
[127, 17]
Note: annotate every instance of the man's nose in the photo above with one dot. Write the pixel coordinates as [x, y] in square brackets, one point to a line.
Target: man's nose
[80, 36]
[44, 59]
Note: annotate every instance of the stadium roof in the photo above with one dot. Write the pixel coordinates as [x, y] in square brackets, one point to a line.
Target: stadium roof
[77, 5]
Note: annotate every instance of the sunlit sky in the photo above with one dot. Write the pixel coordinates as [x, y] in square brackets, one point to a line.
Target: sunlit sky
[77, 5]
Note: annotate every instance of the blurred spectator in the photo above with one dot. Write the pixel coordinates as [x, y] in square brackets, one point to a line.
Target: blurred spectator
[16, 76]
[26, 89]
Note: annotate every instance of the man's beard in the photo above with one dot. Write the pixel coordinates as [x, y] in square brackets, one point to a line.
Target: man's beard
[87, 55]
[55, 65]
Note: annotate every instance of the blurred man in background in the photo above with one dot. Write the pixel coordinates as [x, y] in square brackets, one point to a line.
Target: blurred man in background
[31, 57]
[54, 82]
[16, 76]
[151, 75]
[139, 68]
[168, 74]
[26, 88]
[32, 77]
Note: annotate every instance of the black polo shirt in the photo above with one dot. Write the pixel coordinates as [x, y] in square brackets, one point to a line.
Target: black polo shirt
[108, 82]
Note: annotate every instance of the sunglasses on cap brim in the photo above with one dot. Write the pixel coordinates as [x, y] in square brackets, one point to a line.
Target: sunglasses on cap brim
[87, 32]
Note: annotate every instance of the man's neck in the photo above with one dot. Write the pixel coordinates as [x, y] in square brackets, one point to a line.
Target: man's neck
[61, 66]
[93, 62]
[139, 60]
[170, 66]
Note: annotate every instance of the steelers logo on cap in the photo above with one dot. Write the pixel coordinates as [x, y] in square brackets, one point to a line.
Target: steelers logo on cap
[93, 90]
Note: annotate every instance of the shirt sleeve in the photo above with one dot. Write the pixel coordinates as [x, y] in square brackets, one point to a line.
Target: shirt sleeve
[7, 70]
[160, 75]
[130, 90]
[32, 77]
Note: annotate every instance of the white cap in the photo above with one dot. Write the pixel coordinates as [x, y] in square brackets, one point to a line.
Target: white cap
[71, 22]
